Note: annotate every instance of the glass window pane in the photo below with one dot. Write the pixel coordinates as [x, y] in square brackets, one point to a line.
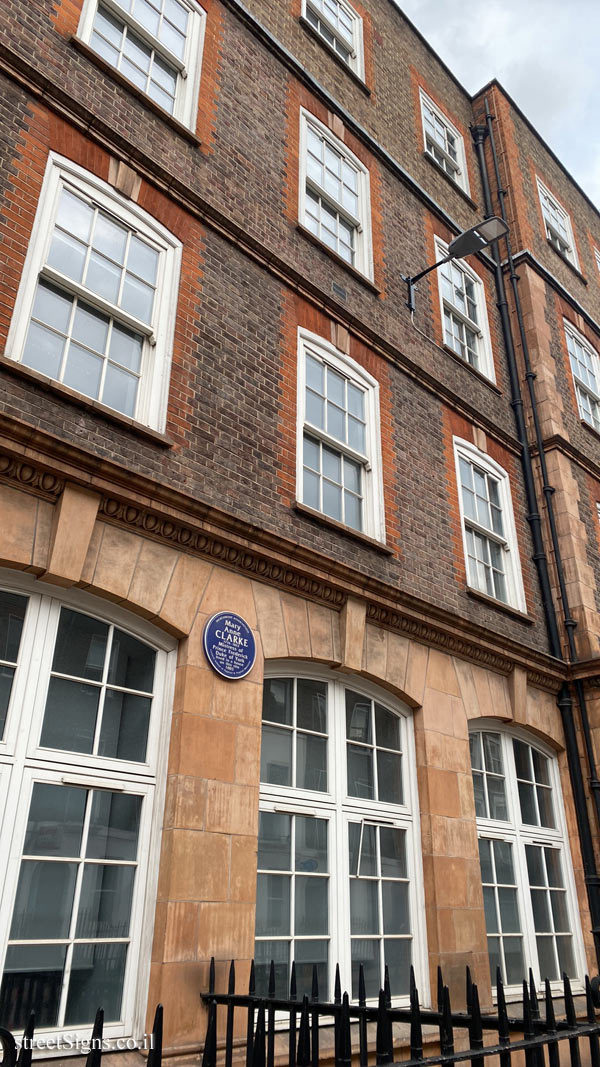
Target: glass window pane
[478, 790]
[332, 465]
[365, 844]
[311, 845]
[276, 756]
[554, 867]
[311, 490]
[12, 616]
[364, 906]
[509, 911]
[491, 914]
[387, 728]
[541, 912]
[43, 350]
[19, 995]
[55, 822]
[360, 773]
[392, 844]
[497, 798]
[314, 374]
[124, 729]
[396, 914]
[367, 952]
[353, 511]
[541, 767]
[52, 306]
[44, 901]
[6, 681]
[560, 912]
[485, 860]
[397, 956]
[74, 215]
[547, 958]
[114, 826]
[535, 865]
[311, 763]
[120, 390]
[273, 905]
[80, 645]
[389, 777]
[332, 501]
[105, 901]
[103, 277]
[566, 960]
[358, 717]
[522, 764]
[97, 974]
[527, 803]
[67, 255]
[493, 753]
[126, 348]
[70, 716]
[544, 797]
[109, 237]
[312, 706]
[315, 409]
[131, 663]
[277, 700]
[274, 841]
[142, 259]
[279, 952]
[83, 371]
[515, 965]
[312, 912]
[137, 298]
[90, 327]
[503, 858]
[307, 954]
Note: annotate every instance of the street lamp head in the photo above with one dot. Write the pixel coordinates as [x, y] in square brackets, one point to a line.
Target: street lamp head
[465, 244]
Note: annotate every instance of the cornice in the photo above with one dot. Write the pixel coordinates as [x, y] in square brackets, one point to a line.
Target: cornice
[560, 444]
[168, 516]
[34, 82]
[527, 257]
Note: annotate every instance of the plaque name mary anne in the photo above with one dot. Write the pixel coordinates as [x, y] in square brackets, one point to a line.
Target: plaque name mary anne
[229, 645]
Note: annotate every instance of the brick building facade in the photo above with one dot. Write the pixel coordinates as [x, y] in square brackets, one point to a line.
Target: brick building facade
[214, 398]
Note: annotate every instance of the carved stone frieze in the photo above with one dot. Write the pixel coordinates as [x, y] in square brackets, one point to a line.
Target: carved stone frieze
[30, 477]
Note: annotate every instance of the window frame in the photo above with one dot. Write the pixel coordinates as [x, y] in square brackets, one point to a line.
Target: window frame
[356, 62]
[458, 172]
[514, 580]
[340, 809]
[597, 257]
[373, 498]
[583, 389]
[361, 222]
[23, 761]
[61, 173]
[553, 236]
[189, 69]
[519, 835]
[481, 329]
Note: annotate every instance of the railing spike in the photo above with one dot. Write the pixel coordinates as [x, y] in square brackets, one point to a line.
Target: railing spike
[26, 1051]
[209, 1057]
[589, 1000]
[362, 989]
[231, 980]
[446, 1031]
[337, 988]
[252, 979]
[416, 1029]
[293, 987]
[382, 1041]
[315, 984]
[469, 988]
[303, 1054]
[591, 1017]
[527, 1019]
[94, 1056]
[156, 1039]
[258, 1048]
[386, 986]
[533, 999]
[476, 1027]
[440, 990]
[503, 1031]
[570, 1012]
[271, 989]
[211, 975]
[550, 1026]
[344, 1044]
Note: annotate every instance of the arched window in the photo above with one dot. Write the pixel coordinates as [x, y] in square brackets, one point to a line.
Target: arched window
[338, 854]
[82, 697]
[528, 890]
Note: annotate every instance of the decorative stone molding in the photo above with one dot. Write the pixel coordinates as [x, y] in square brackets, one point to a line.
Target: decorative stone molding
[27, 476]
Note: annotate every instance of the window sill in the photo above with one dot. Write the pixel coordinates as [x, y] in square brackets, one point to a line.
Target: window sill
[42, 380]
[567, 262]
[332, 52]
[478, 374]
[338, 259]
[522, 616]
[325, 520]
[116, 75]
[455, 185]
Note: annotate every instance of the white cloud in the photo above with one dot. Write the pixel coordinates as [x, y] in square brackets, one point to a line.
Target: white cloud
[544, 53]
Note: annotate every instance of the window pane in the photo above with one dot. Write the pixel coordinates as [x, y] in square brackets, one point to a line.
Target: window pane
[522, 764]
[131, 663]
[70, 716]
[6, 681]
[274, 842]
[272, 905]
[480, 806]
[513, 955]
[541, 913]
[311, 763]
[364, 906]
[264, 952]
[137, 298]
[97, 973]
[503, 859]
[497, 798]
[566, 960]
[360, 773]
[397, 955]
[307, 954]
[311, 845]
[55, 823]
[311, 906]
[492, 753]
[312, 706]
[276, 756]
[547, 959]
[124, 730]
[389, 777]
[544, 797]
[277, 700]
[553, 867]
[396, 914]
[358, 717]
[103, 277]
[367, 952]
[120, 390]
[387, 728]
[110, 238]
[74, 214]
[43, 350]
[527, 802]
[126, 348]
[494, 957]
[560, 913]
[80, 647]
[83, 371]
[489, 904]
[32, 981]
[114, 826]
[67, 255]
[105, 901]
[485, 860]
[52, 306]
[393, 856]
[535, 865]
[509, 912]
[44, 900]
[332, 501]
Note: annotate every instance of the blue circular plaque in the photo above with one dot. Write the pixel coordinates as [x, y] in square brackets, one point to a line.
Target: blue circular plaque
[229, 645]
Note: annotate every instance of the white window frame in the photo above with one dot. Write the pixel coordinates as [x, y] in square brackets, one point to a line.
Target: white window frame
[339, 809]
[588, 398]
[597, 257]
[188, 69]
[362, 222]
[455, 169]
[356, 61]
[514, 580]
[548, 202]
[23, 761]
[151, 404]
[485, 357]
[371, 461]
[520, 834]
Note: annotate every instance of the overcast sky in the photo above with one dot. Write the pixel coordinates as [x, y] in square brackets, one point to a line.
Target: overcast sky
[546, 54]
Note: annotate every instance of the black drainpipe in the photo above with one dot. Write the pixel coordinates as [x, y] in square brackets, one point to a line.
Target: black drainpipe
[565, 703]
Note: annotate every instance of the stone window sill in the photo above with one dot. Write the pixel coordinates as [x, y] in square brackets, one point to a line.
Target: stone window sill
[338, 259]
[522, 616]
[325, 520]
[123, 421]
[567, 262]
[146, 100]
[332, 52]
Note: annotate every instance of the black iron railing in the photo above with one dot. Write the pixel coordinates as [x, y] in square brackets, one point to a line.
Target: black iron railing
[20, 1054]
[361, 1028]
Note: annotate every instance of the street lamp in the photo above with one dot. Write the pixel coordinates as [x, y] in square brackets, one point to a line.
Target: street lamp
[464, 245]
